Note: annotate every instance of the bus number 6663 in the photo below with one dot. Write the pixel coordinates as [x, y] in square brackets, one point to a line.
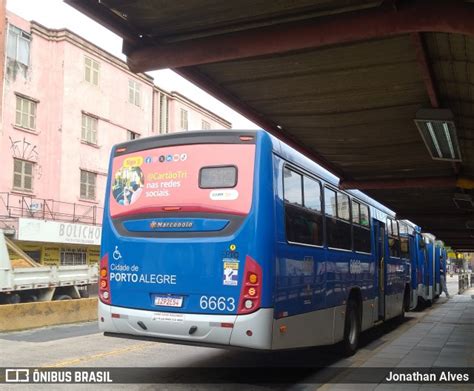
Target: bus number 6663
[217, 303]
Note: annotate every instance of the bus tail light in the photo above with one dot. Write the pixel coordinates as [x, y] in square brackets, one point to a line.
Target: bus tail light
[251, 292]
[104, 288]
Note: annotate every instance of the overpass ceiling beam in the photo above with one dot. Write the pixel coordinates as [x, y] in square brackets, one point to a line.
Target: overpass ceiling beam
[103, 15]
[211, 87]
[414, 183]
[425, 69]
[443, 214]
[410, 17]
[407, 183]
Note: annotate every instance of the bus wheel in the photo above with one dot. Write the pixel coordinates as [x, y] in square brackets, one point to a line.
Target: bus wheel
[351, 329]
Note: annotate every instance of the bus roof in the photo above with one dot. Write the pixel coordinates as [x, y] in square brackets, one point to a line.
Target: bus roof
[291, 154]
[233, 136]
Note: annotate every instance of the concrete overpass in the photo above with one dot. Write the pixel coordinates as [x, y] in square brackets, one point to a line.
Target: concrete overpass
[379, 92]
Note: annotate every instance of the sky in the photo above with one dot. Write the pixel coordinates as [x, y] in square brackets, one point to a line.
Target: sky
[56, 14]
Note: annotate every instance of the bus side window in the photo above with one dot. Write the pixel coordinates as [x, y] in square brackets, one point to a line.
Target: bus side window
[312, 203]
[393, 238]
[292, 190]
[303, 218]
[404, 241]
[338, 219]
[361, 227]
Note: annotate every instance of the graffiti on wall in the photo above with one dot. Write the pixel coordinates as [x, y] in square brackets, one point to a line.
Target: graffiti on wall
[25, 150]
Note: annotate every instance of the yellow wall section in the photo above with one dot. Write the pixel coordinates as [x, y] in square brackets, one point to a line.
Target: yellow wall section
[93, 254]
[50, 256]
[51, 252]
[46, 313]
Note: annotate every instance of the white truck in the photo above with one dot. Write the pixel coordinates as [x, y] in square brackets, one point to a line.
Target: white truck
[24, 280]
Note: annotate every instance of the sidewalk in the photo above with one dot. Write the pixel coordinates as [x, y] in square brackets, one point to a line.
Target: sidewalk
[442, 337]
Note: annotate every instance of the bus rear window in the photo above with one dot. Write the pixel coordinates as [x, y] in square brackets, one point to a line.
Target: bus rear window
[215, 178]
[218, 177]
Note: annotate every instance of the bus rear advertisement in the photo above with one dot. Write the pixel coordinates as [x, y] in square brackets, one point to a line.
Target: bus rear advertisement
[233, 238]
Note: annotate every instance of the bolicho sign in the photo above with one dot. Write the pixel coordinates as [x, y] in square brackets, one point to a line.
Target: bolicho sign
[58, 232]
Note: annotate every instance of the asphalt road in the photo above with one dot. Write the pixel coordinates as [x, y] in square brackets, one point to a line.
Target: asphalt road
[82, 345]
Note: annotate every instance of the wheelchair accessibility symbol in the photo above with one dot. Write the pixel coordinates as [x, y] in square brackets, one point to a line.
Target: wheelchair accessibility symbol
[116, 254]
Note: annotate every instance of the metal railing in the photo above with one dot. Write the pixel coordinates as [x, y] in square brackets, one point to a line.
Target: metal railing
[465, 281]
[17, 205]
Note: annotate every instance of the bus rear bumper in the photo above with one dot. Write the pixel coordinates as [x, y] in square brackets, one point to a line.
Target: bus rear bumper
[249, 331]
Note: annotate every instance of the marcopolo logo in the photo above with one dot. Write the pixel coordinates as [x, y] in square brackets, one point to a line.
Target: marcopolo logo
[171, 224]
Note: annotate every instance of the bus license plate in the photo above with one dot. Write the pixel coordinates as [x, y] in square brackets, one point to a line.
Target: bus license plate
[169, 301]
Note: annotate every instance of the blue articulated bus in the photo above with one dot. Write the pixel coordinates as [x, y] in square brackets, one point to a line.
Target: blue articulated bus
[412, 245]
[440, 263]
[426, 255]
[233, 238]
[429, 255]
[430, 270]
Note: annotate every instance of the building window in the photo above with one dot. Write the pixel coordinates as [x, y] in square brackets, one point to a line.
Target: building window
[88, 185]
[163, 114]
[132, 135]
[205, 125]
[134, 92]
[91, 71]
[73, 256]
[89, 129]
[22, 175]
[184, 119]
[25, 113]
[18, 46]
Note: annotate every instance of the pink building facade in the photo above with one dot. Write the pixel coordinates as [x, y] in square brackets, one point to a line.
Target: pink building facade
[65, 103]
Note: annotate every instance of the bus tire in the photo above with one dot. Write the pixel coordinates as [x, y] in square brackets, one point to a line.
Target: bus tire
[351, 328]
